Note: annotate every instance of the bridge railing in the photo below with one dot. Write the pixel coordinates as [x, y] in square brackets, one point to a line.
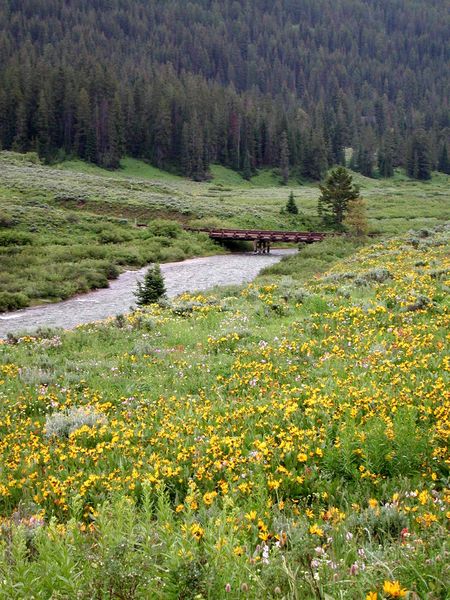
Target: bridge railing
[260, 234]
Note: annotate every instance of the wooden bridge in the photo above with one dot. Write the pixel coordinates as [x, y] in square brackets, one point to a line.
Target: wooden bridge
[262, 239]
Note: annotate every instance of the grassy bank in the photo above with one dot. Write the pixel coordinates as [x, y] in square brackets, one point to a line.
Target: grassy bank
[283, 440]
[70, 228]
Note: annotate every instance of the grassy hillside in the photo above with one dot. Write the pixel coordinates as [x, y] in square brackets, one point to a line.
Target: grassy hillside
[70, 228]
[283, 440]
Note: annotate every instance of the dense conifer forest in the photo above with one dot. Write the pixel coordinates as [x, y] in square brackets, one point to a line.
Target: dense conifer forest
[286, 84]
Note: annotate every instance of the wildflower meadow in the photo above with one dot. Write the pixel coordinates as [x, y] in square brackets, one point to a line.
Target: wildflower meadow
[287, 439]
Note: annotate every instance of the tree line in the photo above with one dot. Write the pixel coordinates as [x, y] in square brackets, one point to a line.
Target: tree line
[285, 84]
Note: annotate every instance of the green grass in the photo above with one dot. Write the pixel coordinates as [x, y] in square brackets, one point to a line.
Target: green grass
[129, 167]
[287, 439]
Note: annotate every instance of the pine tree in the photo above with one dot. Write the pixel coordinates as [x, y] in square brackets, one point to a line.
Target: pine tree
[291, 206]
[162, 136]
[43, 134]
[364, 162]
[385, 161]
[21, 139]
[315, 161]
[418, 161]
[247, 168]
[337, 192]
[284, 158]
[152, 288]
[83, 111]
[444, 162]
[194, 156]
[186, 157]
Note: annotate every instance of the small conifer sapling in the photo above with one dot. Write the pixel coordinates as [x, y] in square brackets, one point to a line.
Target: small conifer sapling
[152, 288]
[291, 206]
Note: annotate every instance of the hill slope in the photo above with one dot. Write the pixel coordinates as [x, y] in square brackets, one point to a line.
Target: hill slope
[240, 83]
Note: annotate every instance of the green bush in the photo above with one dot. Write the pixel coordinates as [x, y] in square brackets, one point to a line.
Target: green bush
[113, 236]
[172, 254]
[6, 220]
[165, 228]
[13, 301]
[15, 238]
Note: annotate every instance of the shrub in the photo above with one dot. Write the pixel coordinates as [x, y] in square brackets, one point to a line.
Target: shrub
[6, 220]
[419, 303]
[164, 228]
[36, 376]
[378, 275]
[120, 321]
[112, 235]
[152, 288]
[382, 525]
[13, 301]
[96, 279]
[15, 238]
[290, 290]
[355, 221]
[172, 254]
[62, 424]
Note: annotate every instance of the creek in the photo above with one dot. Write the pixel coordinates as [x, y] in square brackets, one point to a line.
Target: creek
[196, 274]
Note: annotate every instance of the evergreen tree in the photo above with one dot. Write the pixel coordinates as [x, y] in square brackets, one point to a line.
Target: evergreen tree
[21, 138]
[336, 193]
[418, 160]
[247, 169]
[83, 115]
[385, 160]
[43, 133]
[315, 161]
[162, 136]
[194, 158]
[444, 162]
[291, 206]
[186, 152]
[152, 288]
[284, 158]
[353, 163]
[364, 162]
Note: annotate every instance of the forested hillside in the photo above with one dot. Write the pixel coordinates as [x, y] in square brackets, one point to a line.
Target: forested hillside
[286, 83]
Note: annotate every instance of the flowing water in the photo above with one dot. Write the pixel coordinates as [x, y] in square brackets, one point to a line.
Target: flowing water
[188, 276]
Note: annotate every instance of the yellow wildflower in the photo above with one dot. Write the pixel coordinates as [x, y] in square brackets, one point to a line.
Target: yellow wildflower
[316, 530]
[394, 590]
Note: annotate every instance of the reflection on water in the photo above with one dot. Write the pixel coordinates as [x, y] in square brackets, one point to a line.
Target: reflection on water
[190, 275]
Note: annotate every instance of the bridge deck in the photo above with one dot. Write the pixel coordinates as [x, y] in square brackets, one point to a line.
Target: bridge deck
[262, 235]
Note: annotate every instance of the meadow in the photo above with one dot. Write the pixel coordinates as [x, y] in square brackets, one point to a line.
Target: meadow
[287, 439]
[71, 227]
